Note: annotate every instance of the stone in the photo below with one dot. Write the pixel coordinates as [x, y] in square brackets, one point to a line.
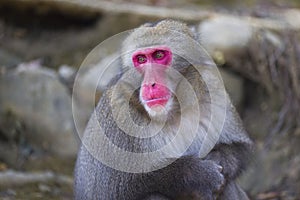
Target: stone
[34, 97]
[220, 33]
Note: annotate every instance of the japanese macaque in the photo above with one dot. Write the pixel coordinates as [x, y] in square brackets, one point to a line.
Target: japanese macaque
[177, 131]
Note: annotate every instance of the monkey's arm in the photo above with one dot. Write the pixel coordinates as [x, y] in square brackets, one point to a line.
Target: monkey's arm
[233, 158]
[189, 177]
[234, 147]
[202, 178]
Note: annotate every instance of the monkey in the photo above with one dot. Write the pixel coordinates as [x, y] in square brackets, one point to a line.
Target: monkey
[145, 108]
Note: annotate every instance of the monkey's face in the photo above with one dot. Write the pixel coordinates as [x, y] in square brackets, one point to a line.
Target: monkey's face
[155, 92]
[161, 54]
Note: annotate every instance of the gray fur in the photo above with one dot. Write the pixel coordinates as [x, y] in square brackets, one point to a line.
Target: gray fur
[188, 177]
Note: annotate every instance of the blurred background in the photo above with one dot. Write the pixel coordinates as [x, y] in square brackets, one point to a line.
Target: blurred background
[255, 44]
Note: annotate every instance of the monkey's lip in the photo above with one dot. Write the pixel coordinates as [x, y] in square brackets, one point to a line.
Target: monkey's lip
[162, 101]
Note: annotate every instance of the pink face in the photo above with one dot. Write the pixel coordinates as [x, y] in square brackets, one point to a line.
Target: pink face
[152, 63]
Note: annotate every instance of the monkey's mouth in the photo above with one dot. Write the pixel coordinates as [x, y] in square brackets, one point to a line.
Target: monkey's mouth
[159, 101]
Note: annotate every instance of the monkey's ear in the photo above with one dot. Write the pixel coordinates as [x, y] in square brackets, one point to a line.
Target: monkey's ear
[195, 32]
[148, 24]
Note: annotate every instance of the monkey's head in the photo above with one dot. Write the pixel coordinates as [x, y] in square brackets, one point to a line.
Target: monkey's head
[153, 50]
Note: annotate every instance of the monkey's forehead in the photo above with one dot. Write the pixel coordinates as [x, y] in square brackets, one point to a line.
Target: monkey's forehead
[149, 38]
[163, 32]
[168, 24]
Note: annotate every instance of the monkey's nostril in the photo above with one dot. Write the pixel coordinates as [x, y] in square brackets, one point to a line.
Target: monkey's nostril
[153, 84]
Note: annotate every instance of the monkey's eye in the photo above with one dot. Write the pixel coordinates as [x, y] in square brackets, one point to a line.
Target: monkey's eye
[159, 54]
[141, 59]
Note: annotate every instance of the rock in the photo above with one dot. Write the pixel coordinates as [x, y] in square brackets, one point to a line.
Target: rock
[66, 73]
[225, 38]
[35, 98]
[8, 59]
[224, 33]
[67, 76]
[8, 153]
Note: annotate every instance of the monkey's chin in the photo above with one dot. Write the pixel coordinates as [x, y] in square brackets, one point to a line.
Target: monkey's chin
[158, 111]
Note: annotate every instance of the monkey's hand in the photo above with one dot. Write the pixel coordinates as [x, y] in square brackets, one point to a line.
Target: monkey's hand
[191, 177]
[206, 179]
